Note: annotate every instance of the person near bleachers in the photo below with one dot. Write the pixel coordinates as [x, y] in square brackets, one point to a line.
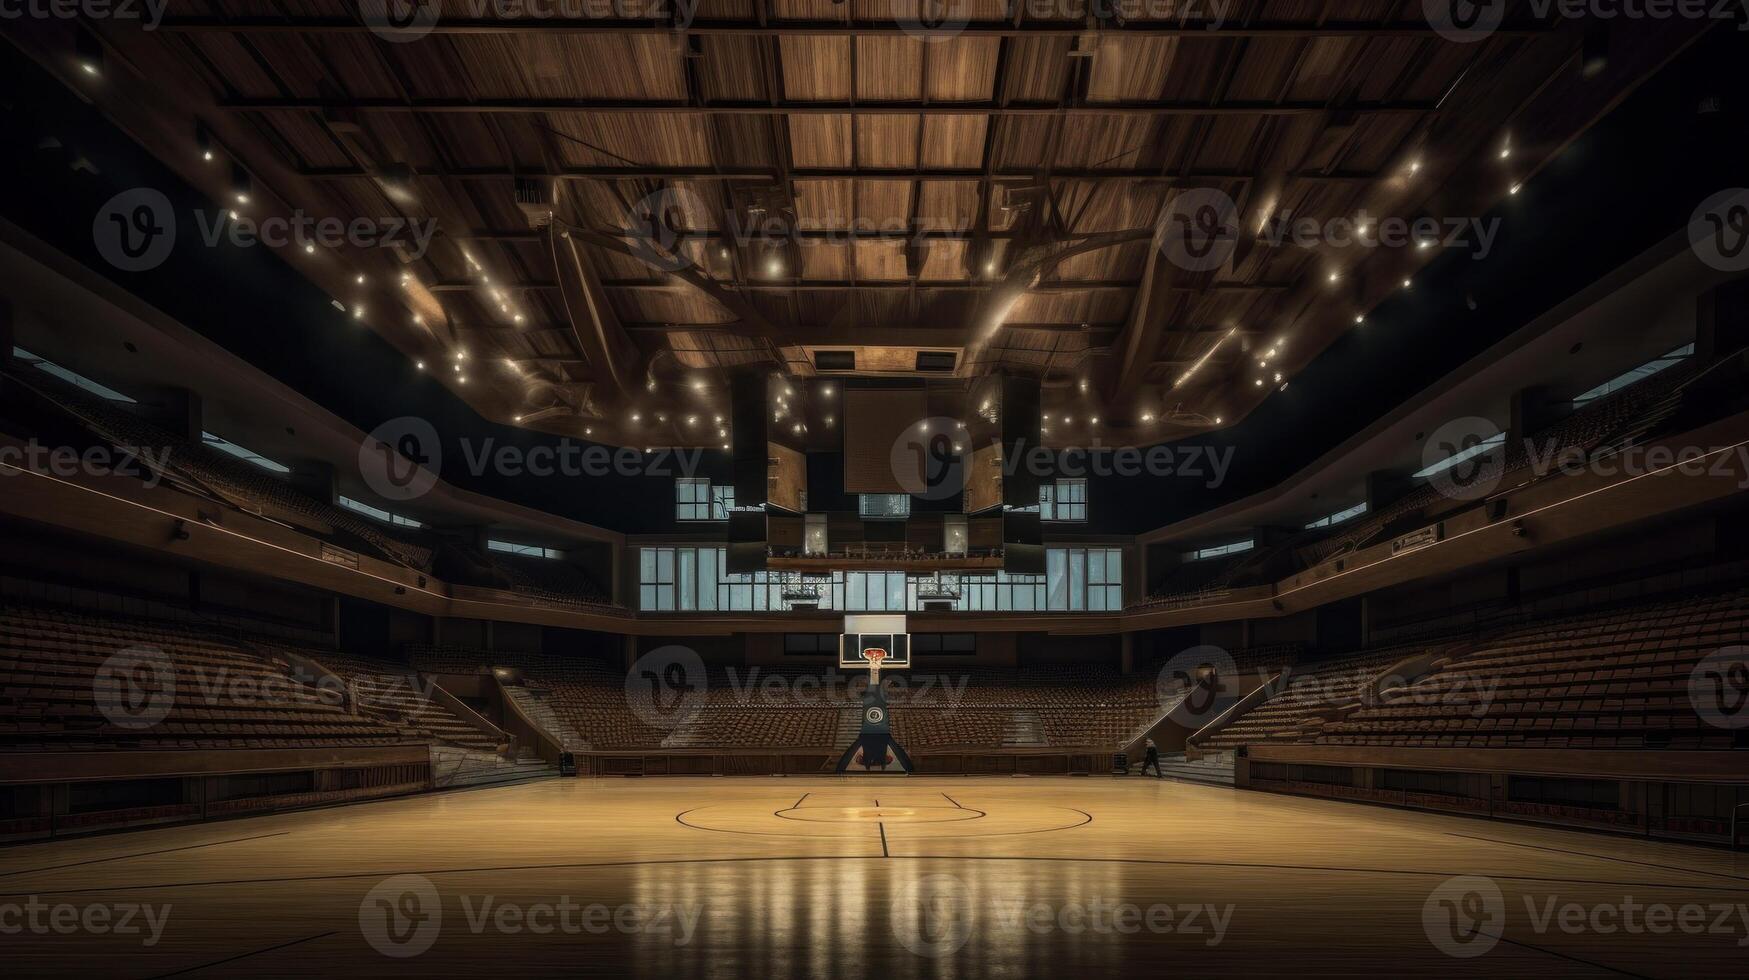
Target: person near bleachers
[1151, 757]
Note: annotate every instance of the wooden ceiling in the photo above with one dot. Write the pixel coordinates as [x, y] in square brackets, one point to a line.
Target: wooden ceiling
[833, 181]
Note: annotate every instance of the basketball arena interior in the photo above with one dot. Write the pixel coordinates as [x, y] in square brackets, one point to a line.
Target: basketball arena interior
[874, 488]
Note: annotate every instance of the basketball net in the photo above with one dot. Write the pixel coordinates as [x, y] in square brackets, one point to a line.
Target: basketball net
[874, 657]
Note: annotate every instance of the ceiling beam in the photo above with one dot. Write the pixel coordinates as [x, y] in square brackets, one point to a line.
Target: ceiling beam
[786, 108]
[1201, 28]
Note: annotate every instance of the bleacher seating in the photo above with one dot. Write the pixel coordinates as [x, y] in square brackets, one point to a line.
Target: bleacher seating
[56, 685]
[1612, 679]
[1075, 706]
[1304, 696]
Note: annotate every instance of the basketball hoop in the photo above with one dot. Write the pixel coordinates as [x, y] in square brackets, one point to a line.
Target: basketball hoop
[874, 655]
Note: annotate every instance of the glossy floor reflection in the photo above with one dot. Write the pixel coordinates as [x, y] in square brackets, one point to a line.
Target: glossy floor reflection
[864, 878]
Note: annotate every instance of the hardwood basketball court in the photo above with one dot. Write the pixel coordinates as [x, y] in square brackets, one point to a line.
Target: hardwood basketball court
[870, 876]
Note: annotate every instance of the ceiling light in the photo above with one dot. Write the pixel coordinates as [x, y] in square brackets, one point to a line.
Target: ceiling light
[358, 313]
[650, 385]
[1278, 375]
[958, 448]
[1067, 420]
[1423, 243]
[233, 216]
[774, 267]
[1259, 382]
[1414, 166]
[718, 419]
[722, 433]
[698, 386]
[588, 430]
[1359, 318]
[797, 429]
[692, 420]
[1513, 189]
[418, 319]
[309, 248]
[518, 318]
[361, 279]
[419, 364]
[458, 369]
[923, 426]
[1094, 420]
[1219, 420]
[461, 355]
[661, 416]
[636, 417]
[242, 198]
[516, 418]
[826, 390]
[1335, 276]
[1505, 151]
[725, 447]
[1408, 284]
[1147, 416]
[463, 379]
[828, 420]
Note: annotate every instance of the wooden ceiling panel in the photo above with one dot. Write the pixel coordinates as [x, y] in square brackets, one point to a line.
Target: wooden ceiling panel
[1126, 69]
[825, 204]
[821, 140]
[954, 142]
[827, 261]
[963, 69]
[731, 68]
[889, 69]
[1037, 69]
[884, 203]
[880, 261]
[814, 68]
[610, 139]
[946, 204]
[944, 261]
[1112, 142]
[887, 141]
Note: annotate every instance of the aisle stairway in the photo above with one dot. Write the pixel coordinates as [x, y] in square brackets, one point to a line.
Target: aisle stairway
[453, 767]
[1214, 770]
[537, 704]
[1023, 730]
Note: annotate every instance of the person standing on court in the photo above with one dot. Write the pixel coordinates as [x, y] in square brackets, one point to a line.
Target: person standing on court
[1151, 757]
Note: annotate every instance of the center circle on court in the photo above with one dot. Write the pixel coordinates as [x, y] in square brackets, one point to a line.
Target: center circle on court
[850, 819]
[880, 814]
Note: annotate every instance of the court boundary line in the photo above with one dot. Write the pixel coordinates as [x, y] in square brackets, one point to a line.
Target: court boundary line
[1601, 857]
[124, 857]
[243, 956]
